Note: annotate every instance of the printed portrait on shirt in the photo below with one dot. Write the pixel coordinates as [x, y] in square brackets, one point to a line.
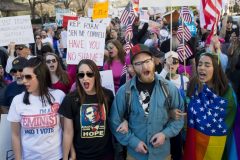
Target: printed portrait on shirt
[92, 120]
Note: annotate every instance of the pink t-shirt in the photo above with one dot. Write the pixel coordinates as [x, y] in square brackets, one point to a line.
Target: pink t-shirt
[116, 68]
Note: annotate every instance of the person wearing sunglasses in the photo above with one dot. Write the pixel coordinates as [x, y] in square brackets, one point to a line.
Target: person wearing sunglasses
[85, 113]
[115, 61]
[59, 77]
[38, 45]
[20, 50]
[35, 122]
[170, 72]
[16, 87]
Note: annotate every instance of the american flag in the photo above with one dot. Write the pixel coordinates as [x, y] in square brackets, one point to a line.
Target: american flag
[127, 14]
[187, 33]
[210, 11]
[185, 14]
[128, 33]
[206, 112]
[180, 50]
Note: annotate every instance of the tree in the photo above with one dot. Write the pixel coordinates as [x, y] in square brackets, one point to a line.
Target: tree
[236, 8]
[33, 3]
[67, 3]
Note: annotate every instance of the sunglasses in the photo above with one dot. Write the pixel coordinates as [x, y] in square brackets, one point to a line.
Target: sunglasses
[175, 62]
[51, 61]
[17, 70]
[19, 48]
[28, 77]
[82, 75]
[229, 21]
[38, 38]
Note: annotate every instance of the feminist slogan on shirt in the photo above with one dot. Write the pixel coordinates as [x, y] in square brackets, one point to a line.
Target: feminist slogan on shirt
[92, 120]
[42, 123]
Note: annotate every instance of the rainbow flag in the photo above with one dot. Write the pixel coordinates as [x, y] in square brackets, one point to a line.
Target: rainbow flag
[210, 126]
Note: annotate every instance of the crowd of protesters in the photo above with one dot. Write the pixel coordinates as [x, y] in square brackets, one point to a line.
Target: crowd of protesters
[59, 111]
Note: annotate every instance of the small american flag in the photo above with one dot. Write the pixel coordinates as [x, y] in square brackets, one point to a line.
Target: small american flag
[180, 50]
[127, 14]
[187, 33]
[185, 14]
[207, 112]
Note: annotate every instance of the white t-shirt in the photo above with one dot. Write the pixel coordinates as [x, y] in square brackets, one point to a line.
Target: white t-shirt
[41, 132]
[177, 82]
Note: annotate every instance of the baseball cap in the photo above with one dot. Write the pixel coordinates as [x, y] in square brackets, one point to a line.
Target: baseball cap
[18, 63]
[171, 54]
[137, 49]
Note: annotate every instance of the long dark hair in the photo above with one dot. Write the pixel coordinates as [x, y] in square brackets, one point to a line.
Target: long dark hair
[43, 76]
[61, 74]
[219, 79]
[121, 52]
[98, 87]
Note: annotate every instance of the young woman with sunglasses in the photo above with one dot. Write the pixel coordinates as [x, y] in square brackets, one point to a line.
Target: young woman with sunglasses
[60, 78]
[85, 114]
[35, 122]
[115, 61]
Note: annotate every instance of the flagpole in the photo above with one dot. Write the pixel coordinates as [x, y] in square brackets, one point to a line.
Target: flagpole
[171, 23]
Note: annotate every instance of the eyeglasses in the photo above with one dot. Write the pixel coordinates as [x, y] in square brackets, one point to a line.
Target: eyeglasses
[147, 61]
[51, 60]
[82, 75]
[28, 77]
[38, 37]
[16, 70]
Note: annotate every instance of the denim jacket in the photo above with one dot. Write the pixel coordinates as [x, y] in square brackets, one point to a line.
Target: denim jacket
[142, 127]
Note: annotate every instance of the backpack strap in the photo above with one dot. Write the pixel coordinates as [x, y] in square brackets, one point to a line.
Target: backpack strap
[166, 93]
[128, 95]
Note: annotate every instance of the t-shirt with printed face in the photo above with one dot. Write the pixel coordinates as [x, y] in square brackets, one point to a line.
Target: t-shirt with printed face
[92, 137]
[145, 92]
[41, 132]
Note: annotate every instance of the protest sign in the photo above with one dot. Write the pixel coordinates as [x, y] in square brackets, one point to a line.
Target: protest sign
[67, 18]
[167, 3]
[144, 16]
[84, 19]
[16, 29]
[107, 80]
[105, 21]
[6, 151]
[100, 10]
[85, 40]
[62, 12]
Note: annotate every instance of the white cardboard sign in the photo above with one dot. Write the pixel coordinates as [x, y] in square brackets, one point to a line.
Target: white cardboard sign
[107, 80]
[16, 29]
[85, 40]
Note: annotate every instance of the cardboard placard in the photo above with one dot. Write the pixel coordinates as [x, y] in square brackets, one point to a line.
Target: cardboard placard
[16, 29]
[85, 40]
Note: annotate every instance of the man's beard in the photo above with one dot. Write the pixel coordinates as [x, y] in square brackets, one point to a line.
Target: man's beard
[175, 43]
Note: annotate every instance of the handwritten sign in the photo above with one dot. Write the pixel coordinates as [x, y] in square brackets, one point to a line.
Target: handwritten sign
[144, 16]
[6, 151]
[167, 3]
[63, 12]
[100, 10]
[85, 40]
[107, 80]
[16, 29]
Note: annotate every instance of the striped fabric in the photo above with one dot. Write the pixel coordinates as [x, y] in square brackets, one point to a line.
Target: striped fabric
[184, 52]
[185, 14]
[127, 14]
[183, 30]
